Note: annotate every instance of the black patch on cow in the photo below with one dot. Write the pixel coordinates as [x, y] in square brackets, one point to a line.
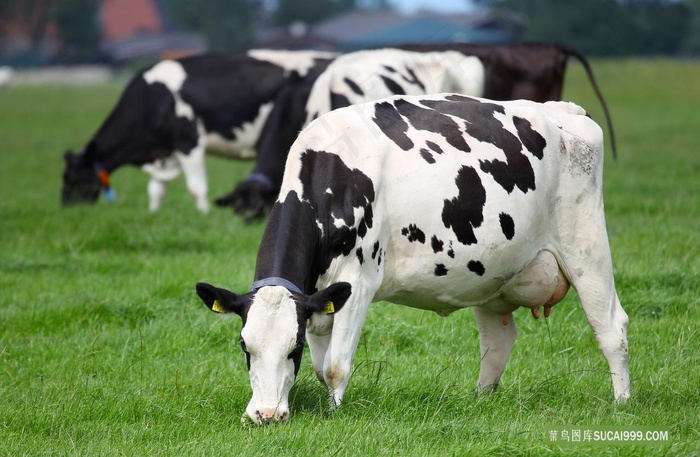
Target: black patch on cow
[477, 267]
[531, 139]
[241, 82]
[434, 146]
[350, 189]
[392, 85]
[375, 249]
[389, 68]
[433, 121]
[440, 269]
[507, 225]
[339, 100]
[413, 233]
[483, 125]
[436, 244]
[392, 125]
[353, 86]
[413, 79]
[360, 256]
[298, 350]
[427, 156]
[362, 226]
[464, 213]
[450, 251]
[379, 258]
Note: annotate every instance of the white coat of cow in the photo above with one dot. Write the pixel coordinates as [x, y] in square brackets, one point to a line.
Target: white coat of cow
[436, 202]
[368, 75]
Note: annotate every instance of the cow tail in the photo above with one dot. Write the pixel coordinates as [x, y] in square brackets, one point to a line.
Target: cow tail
[570, 51]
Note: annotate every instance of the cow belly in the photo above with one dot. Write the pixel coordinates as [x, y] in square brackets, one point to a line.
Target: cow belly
[230, 149]
[540, 282]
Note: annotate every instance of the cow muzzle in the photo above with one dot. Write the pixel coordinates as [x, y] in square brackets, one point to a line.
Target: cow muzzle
[265, 416]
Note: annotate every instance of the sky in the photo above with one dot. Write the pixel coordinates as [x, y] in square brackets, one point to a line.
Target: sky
[442, 6]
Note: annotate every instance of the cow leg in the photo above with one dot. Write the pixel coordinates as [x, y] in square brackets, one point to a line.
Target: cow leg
[156, 191]
[318, 346]
[589, 265]
[600, 303]
[496, 337]
[196, 175]
[161, 172]
[347, 326]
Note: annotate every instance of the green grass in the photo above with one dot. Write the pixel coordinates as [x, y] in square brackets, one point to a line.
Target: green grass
[105, 349]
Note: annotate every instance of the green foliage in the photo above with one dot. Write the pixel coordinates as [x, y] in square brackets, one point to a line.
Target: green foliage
[78, 22]
[309, 11]
[106, 350]
[604, 27]
[227, 24]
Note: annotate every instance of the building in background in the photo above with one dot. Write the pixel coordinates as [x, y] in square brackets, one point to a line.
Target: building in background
[373, 29]
[34, 32]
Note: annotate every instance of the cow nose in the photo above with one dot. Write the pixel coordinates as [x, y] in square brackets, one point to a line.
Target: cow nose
[271, 416]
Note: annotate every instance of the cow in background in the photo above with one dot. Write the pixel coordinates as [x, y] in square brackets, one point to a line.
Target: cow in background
[171, 113]
[532, 71]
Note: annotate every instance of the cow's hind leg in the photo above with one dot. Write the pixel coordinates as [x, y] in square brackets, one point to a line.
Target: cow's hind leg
[496, 337]
[196, 175]
[609, 323]
[589, 266]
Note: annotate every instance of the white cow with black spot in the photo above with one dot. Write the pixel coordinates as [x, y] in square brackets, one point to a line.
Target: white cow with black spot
[438, 202]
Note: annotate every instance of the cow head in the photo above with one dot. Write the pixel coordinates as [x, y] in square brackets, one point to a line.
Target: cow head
[272, 338]
[81, 183]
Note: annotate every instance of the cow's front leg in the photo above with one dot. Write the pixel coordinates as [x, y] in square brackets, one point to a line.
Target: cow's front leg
[347, 327]
[161, 171]
[318, 346]
[318, 335]
[496, 337]
[196, 175]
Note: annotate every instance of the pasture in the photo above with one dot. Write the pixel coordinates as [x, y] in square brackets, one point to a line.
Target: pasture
[106, 350]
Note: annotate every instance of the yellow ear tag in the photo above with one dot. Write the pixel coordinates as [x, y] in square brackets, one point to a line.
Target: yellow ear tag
[216, 307]
[328, 309]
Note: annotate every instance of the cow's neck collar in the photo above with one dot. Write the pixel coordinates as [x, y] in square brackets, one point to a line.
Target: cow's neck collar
[275, 281]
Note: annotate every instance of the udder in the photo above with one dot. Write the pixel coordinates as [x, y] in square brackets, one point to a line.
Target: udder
[540, 283]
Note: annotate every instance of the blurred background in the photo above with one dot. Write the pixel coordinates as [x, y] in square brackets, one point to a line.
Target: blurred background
[132, 33]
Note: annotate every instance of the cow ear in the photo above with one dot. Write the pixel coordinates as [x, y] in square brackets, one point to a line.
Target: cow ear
[331, 299]
[219, 300]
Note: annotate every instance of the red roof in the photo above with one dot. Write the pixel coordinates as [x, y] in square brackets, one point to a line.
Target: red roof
[124, 18]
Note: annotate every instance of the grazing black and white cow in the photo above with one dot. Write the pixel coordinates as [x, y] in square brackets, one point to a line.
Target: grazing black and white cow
[368, 75]
[170, 113]
[436, 202]
[350, 79]
[532, 71]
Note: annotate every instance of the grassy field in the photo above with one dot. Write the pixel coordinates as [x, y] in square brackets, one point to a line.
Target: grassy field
[106, 350]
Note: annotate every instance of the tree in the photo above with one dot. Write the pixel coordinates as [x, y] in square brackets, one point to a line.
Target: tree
[227, 24]
[604, 27]
[79, 27]
[310, 11]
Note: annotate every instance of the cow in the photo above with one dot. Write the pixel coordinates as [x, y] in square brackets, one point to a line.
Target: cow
[172, 112]
[437, 202]
[532, 71]
[350, 79]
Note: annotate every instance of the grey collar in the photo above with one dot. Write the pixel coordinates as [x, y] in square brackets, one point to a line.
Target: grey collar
[275, 281]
